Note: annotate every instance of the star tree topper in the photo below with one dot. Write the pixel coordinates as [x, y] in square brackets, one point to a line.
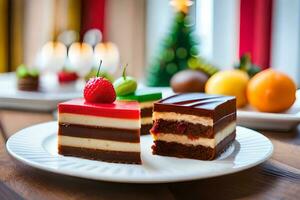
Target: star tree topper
[181, 5]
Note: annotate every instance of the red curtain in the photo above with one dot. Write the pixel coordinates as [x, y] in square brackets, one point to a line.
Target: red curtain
[255, 30]
[93, 15]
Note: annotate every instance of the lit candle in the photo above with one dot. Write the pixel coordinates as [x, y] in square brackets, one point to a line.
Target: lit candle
[52, 56]
[81, 58]
[109, 54]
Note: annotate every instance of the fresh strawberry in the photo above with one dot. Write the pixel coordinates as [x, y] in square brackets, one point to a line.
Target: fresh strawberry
[66, 77]
[99, 90]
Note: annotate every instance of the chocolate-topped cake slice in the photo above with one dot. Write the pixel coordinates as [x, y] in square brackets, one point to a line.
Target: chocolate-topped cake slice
[193, 125]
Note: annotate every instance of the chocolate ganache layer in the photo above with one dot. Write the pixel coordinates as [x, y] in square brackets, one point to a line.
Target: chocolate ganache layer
[105, 133]
[200, 104]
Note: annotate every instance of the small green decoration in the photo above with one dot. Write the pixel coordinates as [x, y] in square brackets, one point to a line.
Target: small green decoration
[125, 85]
[142, 95]
[247, 66]
[23, 71]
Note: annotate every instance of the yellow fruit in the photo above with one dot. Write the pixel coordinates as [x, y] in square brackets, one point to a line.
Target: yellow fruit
[229, 82]
[271, 91]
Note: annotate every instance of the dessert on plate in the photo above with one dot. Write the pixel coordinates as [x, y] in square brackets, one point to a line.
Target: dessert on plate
[193, 125]
[146, 99]
[99, 131]
[98, 127]
[27, 79]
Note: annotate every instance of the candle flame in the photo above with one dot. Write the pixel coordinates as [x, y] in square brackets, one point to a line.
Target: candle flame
[181, 5]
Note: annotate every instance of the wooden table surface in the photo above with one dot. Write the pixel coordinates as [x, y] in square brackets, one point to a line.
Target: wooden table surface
[278, 178]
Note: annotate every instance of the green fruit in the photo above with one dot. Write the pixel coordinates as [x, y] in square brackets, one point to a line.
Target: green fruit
[33, 72]
[23, 71]
[125, 85]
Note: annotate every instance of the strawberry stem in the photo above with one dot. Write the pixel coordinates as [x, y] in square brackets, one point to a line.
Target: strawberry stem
[124, 72]
[99, 68]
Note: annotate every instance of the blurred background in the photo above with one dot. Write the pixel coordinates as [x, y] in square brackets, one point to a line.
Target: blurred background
[269, 30]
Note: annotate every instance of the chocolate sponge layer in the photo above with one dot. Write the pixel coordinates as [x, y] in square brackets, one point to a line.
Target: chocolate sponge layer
[96, 154]
[123, 135]
[189, 151]
[146, 112]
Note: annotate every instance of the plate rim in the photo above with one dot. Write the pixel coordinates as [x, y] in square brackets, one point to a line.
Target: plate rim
[287, 117]
[268, 116]
[142, 180]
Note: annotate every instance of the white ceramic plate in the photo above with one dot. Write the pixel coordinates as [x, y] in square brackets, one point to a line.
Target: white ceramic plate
[37, 147]
[46, 99]
[285, 121]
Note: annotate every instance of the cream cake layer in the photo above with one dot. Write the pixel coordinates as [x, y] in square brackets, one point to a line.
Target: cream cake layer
[146, 120]
[207, 142]
[173, 116]
[148, 104]
[89, 143]
[89, 120]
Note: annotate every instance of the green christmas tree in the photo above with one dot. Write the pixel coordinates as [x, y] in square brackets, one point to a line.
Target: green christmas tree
[178, 50]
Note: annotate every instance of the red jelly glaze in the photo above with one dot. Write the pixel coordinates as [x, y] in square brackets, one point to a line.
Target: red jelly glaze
[117, 109]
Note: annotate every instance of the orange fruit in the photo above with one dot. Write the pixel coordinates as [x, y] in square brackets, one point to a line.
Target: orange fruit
[229, 82]
[271, 91]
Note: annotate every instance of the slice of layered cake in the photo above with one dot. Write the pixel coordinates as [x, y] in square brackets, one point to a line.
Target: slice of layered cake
[193, 125]
[146, 99]
[100, 131]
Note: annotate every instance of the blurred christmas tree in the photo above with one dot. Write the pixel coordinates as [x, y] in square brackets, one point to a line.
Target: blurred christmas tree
[178, 51]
